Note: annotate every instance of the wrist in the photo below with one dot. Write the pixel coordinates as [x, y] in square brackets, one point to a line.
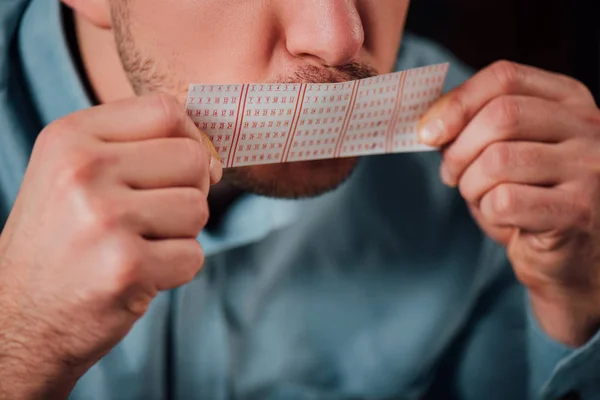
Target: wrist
[25, 379]
[30, 368]
[24, 376]
[569, 318]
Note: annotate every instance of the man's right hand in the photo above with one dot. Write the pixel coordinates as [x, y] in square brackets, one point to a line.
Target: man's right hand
[107, 216]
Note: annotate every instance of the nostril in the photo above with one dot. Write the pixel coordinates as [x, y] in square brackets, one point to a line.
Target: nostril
[331, 32]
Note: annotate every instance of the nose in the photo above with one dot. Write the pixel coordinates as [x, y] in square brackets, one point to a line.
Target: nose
[330, 31]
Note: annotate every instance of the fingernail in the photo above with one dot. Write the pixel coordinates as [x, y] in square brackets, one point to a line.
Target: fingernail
[215, 170]
[432, 132]
[446, 178]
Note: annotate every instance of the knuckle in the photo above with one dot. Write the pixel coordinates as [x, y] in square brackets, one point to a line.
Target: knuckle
[503, 201]
[203, 217]
[80, 168]
[196, 155]
[504, 113]
[584, 216]
[468, 191]
[593, 121]
[196, 201]
[59, 129]
[453, 160]
[526, 155]
[102, 217]
[507, 74]
[579, 89]
[583, 201]
[170, 114]
[456, 104]
[496, 158]
[123, 266]
[195, 262]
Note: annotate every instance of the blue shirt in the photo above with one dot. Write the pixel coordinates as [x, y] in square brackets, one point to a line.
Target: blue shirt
[383, 289]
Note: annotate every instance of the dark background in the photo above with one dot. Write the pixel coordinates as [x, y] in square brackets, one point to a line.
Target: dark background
[558, 35]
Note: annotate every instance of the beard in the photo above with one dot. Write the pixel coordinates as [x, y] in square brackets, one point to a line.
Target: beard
[288, 180]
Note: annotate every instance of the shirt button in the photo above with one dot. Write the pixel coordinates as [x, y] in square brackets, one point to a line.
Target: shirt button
[571, 396]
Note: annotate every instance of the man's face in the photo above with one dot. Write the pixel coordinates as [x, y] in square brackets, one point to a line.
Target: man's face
[167, 44]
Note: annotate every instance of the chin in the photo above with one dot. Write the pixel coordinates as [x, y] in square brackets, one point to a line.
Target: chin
[292, 180]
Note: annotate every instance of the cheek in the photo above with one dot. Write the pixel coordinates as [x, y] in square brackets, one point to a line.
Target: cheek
[218, 41]
[209, 41]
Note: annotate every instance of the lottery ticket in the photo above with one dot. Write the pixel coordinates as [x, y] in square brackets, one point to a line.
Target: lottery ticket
[267, 123]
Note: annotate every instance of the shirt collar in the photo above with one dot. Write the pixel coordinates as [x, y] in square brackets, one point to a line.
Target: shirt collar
[57, 90]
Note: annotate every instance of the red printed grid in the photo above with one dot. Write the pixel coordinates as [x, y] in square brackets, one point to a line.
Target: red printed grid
[215, 110]
[325, 110]
[266, 124]
[373, 114]
[420, 90]
[255, 124]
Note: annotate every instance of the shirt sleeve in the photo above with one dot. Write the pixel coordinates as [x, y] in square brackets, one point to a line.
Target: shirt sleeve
[557, 371]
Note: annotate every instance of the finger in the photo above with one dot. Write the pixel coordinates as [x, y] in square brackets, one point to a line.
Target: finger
[511, 118]
[514, 162]
[164, 163]
[532, 209]
[139, 118]
[142, 118]
[449, 116]
[172, 263]
[167, 213]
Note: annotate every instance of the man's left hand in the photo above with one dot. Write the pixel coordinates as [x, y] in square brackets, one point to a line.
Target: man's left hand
[523, 147]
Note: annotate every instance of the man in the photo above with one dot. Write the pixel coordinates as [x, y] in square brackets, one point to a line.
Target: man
[382, 287]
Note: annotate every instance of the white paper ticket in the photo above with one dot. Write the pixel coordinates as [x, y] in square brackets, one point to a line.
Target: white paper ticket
[251, 124]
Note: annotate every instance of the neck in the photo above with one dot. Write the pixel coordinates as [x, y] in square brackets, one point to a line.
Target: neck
[101, 62]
